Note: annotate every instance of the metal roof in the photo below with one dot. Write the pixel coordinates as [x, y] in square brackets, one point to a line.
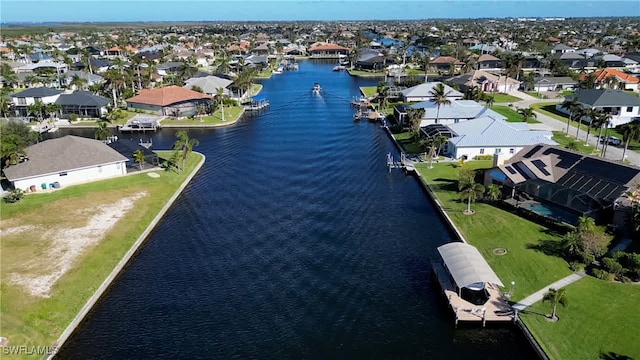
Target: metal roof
[466, 265]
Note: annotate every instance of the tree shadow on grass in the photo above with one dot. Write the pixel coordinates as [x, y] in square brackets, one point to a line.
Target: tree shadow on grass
[447, 184]
[526, 312]
[547, 247]
[613, 356]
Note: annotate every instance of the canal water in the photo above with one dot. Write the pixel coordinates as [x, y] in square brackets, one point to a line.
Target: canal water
[292, 242]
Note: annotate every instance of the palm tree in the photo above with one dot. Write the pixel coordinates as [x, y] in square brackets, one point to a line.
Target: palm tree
[527, 114]
[138, 155]
[606, 122]
[629, 132]
[439, 97]
[470, 193]
[593, 122]
[415, 119]
[5, 105]
[102, 132]
[572, 145]
[572, 105]
[184, 145]
[493, 192]
[585, 224]
[555, 297]
[438, 142]
[424, 63]
[489, 100]
[219, 95]
[36, 109]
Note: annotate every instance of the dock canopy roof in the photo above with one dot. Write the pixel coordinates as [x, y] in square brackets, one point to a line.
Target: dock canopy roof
[466, 265]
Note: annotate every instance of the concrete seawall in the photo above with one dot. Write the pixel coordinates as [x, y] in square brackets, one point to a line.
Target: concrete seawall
[458, 235]
[102, 289]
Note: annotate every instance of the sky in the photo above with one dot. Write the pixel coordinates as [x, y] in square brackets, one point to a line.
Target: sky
[288, 10]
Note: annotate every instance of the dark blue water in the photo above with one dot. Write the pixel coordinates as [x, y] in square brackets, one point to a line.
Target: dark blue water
[292, 242]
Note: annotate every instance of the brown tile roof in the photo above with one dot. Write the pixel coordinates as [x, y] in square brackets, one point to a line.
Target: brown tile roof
[328, 47]
[446, 60]
[487, 57]
[601, 75]
[166, 96]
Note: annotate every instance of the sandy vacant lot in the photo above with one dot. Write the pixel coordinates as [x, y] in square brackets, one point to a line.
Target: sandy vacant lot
[60, 239]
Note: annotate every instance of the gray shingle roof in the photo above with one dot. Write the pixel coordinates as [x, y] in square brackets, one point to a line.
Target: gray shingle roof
[37, 92]
[423, 90]
[63, 154]
[604, 97]
[83, 98]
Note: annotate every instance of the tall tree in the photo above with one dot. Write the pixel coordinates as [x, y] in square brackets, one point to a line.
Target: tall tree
[102, 132]
[629, 132]
[439, 96]
[593, 121]
[572, 106]
[470, 193]
[184, 145]
[138, 155]
[415, 119]
[555, 297]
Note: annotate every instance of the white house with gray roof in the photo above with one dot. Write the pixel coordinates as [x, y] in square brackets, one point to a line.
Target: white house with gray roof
[23, 99]
[488, 136]
[457, 111]
[622, 106]
[423, 91]
[210, 85]
[65, 161]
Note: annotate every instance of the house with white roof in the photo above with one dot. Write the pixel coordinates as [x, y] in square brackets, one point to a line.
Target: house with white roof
[423, 91]
[457, 111]
[210, 85]
[488, 136]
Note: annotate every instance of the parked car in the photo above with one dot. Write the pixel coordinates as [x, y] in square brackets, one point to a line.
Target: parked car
[611, 140]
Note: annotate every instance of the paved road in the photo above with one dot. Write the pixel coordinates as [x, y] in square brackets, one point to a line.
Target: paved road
[549, 123]
[537, 296]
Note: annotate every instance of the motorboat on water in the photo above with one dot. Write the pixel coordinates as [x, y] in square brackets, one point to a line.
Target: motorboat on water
[316, 88]
[339, 68]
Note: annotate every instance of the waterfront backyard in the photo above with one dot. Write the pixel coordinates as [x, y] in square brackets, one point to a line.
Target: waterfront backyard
[76, 236]
[602, 311]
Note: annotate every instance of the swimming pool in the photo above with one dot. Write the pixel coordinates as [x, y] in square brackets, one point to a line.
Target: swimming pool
[552, 212]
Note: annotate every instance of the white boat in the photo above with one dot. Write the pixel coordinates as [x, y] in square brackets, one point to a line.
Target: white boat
[278, 70]
[316, 88]
[339, 68]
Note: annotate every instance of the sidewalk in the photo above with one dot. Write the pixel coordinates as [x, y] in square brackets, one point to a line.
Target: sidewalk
[537, 296]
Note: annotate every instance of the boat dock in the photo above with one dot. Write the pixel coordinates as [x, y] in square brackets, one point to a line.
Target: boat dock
[257, 103]
[496, 309]
[140, 123]
[404, 164]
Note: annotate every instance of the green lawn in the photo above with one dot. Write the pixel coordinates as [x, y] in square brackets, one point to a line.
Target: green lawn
[29, 320]
[368, 91]
[563, 140]
[601, 318]
[504, 98]
[536, 94]
[408, 144]
[490, 228]
[255, 89]
[511, 114]
[231, 115]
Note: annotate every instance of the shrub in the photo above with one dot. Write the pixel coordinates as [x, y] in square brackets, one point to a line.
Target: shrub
[602, 275]
[576, 266]
[396, 129]
[73, 117]
[586, 258]
[613, 267]
[13, 196]
[483, 157]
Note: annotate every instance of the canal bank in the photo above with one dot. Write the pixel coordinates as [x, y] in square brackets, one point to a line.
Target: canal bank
[455, 231]
[104, 286]
[293, 240]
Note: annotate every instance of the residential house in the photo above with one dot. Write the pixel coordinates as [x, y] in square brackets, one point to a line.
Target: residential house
[623, 81]
[622, 106]
[443, 63]
[531, 63]
[65, 161]
[488, 136]
[559, 49]
[571, 59]
[568, 184]
[55, 67]
[485, 81]
[326, 50]
[457, 111]
[262, 49]
[96, 65]
[488, 62]
[370, 61]
[210, 85]
[24, 98]
[423, 91]
[88, 78]
[169, 68]
[169, 100]
[550, 83]
[85, 104]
